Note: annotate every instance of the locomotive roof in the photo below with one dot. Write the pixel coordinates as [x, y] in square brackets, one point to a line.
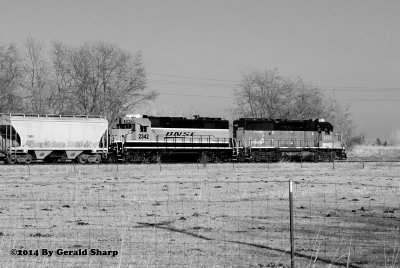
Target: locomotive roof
[184, 118]
[183, 122]
[283, 124]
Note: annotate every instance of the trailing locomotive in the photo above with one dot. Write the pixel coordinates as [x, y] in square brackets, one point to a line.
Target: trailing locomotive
[143, 139]
[260, 140]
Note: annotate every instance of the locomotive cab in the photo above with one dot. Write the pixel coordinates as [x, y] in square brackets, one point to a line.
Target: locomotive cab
[131, 127]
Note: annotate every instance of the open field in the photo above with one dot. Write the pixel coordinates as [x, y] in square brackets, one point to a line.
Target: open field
[374, 153]
[183, 215]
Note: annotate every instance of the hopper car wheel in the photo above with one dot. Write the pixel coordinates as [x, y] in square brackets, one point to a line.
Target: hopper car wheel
[11, 159]
[82, 159]
[97, 159]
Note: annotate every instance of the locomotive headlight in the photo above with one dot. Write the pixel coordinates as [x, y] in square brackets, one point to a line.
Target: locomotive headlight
[134, 116]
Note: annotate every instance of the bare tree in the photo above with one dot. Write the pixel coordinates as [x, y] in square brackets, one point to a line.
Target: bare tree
[394, 138]
[61, 95]
[10, 78]
[98, 78]
[36, 83]
[267, 94]
[340, 116]
[270, 95]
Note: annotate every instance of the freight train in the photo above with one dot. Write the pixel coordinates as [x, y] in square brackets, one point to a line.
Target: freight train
[145, 139]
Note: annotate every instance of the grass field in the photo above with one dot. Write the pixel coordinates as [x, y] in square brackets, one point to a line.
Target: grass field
[375, 153]
[187, 215]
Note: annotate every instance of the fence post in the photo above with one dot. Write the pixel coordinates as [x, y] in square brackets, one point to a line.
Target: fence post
[291, 224]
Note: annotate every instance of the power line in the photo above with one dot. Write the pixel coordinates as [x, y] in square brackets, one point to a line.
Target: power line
[226, 86]
[232, 86]
[227, 97]
[195, 95]
[194, 77]
[183, 83]
[237, 83]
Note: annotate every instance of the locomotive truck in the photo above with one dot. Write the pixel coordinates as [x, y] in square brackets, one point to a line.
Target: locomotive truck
[142, 138]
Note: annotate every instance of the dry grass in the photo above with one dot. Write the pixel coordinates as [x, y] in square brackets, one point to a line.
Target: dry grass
[220, 215]
[375, 153]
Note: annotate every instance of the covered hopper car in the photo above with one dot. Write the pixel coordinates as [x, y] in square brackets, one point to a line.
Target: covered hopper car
[50, 138]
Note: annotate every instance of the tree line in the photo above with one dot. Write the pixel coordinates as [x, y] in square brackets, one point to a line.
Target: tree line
[95, 78]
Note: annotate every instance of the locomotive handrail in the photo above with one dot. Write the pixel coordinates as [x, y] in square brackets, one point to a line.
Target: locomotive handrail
[284, 143]
[209, 138]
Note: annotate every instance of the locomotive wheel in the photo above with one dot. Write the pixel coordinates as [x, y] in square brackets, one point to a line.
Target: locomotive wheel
[137, 158]
[241, 158]
[204, 158]
[129, 156]
[112, 158]
[155, 158]
[257, 157]
[147, 159]
[82, 159]
[11, 159]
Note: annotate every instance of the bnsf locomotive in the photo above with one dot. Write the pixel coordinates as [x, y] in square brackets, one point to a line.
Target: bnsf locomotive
[141, 138]
[261, 139]
[138, 138]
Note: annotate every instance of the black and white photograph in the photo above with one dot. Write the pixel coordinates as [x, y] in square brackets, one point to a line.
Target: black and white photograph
[199, 133]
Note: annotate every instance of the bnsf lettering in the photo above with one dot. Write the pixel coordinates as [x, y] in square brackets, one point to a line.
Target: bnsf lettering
[179, 134]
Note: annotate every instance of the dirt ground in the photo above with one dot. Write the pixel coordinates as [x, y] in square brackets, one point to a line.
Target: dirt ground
[188, 215]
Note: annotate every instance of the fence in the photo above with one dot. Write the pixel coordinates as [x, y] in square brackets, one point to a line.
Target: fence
[221, 215]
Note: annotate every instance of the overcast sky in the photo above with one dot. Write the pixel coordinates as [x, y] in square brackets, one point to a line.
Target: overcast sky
[196, 51]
